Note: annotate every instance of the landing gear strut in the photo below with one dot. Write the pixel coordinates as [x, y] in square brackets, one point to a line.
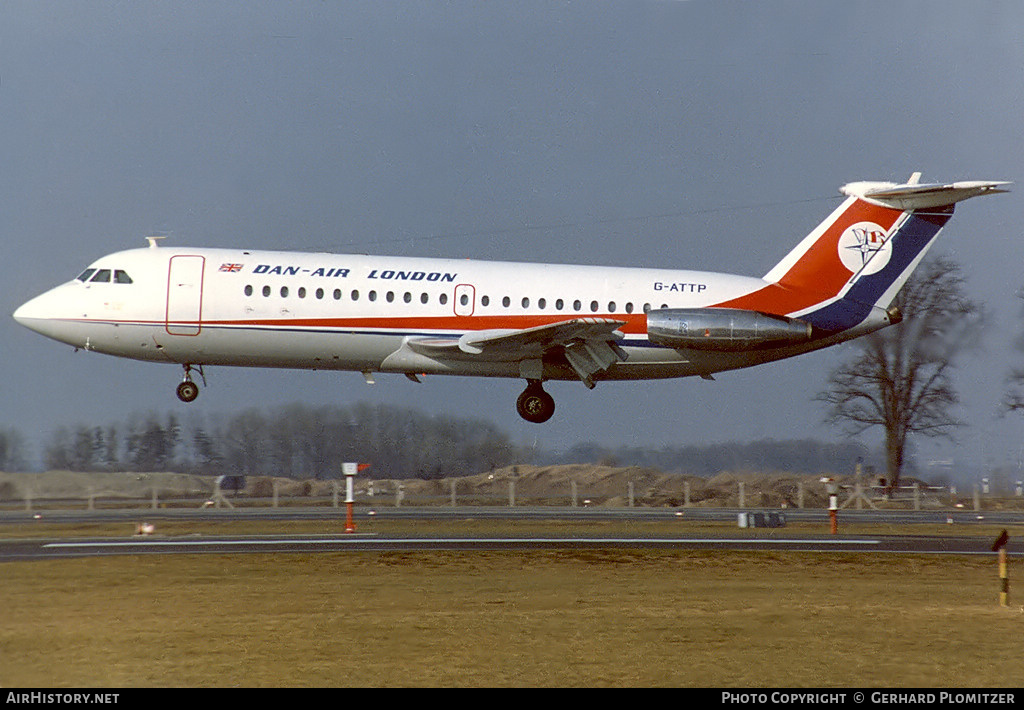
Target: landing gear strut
[188, 390]
[534, 404]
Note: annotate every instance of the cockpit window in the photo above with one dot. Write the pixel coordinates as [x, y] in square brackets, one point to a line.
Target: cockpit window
[121, 277]
[102, 276]
[84, 276]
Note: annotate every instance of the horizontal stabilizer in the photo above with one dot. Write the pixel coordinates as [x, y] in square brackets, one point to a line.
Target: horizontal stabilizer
[911, 196]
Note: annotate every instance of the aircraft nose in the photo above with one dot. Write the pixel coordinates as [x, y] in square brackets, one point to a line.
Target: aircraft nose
[27, 312]
[38, 314]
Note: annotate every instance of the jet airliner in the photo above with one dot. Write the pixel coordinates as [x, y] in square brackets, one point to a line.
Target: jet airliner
[535, 322]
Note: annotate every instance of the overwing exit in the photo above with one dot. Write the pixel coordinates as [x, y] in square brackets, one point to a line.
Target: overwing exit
[535, 322]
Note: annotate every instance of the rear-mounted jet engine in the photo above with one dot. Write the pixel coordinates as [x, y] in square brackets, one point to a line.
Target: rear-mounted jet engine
[723, 329]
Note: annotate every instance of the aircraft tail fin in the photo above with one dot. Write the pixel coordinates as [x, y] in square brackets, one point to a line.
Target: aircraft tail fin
[855, 262]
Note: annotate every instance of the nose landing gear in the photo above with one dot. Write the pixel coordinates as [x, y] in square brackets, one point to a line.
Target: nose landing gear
[188, 390]
[534, 404]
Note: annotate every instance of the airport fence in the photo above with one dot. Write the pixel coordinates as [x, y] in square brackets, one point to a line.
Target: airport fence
[230, 492]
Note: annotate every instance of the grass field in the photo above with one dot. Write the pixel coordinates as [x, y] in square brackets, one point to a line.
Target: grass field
[580, 618]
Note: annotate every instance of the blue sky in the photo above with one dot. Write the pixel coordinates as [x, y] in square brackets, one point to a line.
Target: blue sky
[709, 135]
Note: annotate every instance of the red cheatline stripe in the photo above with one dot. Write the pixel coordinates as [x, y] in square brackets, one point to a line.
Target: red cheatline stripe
[635, 323]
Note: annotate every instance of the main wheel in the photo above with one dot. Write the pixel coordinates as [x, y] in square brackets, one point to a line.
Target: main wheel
[535, 405]
[188, 391]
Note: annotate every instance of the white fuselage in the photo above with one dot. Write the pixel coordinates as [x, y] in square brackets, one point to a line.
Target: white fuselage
[354, 312]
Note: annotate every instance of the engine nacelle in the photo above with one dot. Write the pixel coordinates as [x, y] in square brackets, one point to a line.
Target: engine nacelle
[723, 329]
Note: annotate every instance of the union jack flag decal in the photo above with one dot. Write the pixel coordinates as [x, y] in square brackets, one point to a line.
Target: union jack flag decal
[231, 268]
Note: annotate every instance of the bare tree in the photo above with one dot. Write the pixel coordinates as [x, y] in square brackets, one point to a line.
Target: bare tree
[1013, 398]
[900, 378]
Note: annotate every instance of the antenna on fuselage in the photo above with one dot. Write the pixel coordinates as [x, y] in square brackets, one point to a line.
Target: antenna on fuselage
[152, 241]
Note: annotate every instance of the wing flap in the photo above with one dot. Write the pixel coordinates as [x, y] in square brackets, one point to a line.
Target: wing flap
[590, 345]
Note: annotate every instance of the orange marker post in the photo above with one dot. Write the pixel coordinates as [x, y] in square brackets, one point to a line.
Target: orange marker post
[350, 470]
[833, 503]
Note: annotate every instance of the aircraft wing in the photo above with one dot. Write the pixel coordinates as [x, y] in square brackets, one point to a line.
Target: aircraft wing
[590, 345]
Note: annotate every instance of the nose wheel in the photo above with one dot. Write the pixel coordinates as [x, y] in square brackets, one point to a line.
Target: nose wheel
[188, 390]
[534, 404]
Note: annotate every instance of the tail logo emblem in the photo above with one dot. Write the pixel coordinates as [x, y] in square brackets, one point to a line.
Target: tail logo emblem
[864, 247]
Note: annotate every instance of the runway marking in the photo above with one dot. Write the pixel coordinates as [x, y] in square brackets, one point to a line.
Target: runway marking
[461, 540]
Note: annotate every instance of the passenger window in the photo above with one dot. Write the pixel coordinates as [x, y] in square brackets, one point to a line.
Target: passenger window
[84, 276]
[541, 303]
[558, 304]
[102, 276]
[121, 277]
[506, 301]
[424, 298]
[248, 290]
[593, 306]
[485, 300]
[576, 305]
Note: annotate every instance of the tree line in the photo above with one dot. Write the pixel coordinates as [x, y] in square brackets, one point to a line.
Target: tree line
[302, 442]
[295, 441]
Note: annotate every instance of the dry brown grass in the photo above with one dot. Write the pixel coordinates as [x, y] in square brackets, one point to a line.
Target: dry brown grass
[584, 618]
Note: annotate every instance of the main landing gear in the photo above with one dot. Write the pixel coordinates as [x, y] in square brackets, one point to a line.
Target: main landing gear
[188, 390]
[534, 404]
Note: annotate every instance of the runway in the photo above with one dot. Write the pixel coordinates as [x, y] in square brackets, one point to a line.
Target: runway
[774, 539]
[12, 550]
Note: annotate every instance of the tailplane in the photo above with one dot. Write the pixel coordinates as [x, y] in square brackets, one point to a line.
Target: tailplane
[850, 268]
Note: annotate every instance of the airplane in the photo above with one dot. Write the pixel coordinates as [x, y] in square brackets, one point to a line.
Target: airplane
[536, 322]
